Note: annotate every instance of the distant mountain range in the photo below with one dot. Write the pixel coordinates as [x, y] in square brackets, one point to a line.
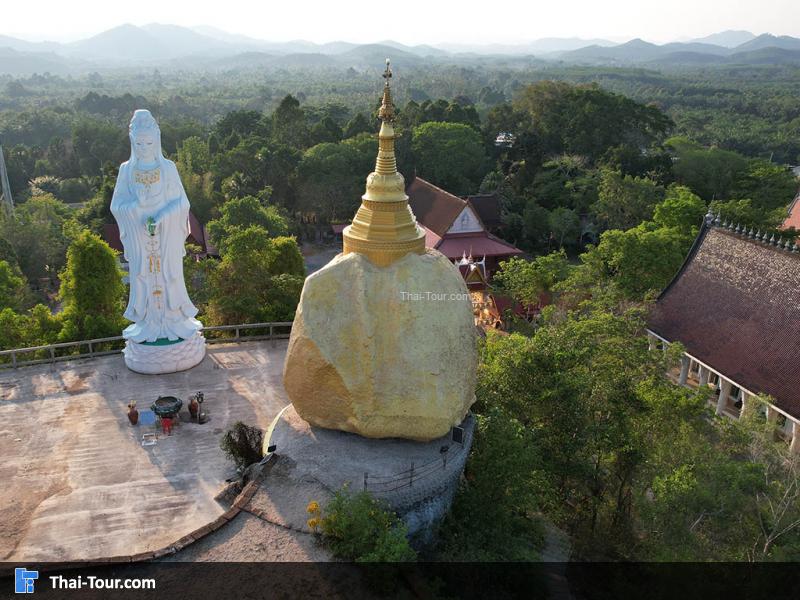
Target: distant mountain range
[762, 49]
[211, 48]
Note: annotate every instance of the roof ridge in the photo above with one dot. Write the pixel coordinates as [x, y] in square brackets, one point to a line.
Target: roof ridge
[715, 221]
[425, 181]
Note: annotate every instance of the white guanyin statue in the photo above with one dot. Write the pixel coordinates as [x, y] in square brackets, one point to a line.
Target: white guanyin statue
[152, 211]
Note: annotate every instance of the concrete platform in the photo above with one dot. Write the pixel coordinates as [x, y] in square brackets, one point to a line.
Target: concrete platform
[77, 484]
[416, 479]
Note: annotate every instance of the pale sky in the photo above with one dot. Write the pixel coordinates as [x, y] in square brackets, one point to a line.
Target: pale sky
[409, 21]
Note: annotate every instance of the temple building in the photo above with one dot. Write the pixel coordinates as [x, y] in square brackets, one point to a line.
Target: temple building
[735, 306]
[455, 226]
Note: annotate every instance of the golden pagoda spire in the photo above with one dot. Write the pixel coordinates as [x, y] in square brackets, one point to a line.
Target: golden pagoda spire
[384, 228]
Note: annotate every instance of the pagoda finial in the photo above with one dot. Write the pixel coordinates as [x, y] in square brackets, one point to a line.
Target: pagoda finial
[384, 228]
[386, 112]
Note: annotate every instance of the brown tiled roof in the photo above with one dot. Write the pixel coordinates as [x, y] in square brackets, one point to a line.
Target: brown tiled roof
[735, 305]
[488, 208]
[433, 207]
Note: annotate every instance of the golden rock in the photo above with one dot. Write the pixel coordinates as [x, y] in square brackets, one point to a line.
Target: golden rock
[383, 351]
[384, 342]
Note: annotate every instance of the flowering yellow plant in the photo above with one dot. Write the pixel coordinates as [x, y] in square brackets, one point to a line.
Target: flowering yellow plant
[313, 507]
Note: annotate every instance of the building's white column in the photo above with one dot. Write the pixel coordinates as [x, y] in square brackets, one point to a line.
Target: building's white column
[684, 370]
[772, 414]
[795, 445]
[745, 397]
[704, 374]
[724, 392]
[692, 367]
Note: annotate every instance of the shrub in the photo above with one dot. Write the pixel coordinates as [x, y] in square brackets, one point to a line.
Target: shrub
[242, 444]
[358, 527]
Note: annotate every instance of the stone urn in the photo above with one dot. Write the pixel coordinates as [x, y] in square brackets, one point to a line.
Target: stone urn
[133, 414]
[194, 407]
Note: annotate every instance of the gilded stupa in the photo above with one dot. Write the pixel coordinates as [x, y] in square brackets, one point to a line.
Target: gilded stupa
[383, 342]
[384, 228]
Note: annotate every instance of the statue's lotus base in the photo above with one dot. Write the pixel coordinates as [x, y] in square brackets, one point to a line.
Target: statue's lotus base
[152, 359]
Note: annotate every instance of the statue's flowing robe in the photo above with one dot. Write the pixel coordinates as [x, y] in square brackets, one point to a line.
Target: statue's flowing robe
[171, 316]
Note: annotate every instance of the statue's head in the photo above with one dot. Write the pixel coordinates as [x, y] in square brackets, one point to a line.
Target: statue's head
[145, 138]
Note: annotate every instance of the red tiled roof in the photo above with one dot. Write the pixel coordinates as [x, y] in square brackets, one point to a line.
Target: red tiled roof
[478, 244]
[793, 220]
[431, 239]
[735, 305]
[433, 207]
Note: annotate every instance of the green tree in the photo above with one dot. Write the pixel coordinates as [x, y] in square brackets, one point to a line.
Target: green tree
[36, 233]
[13, 288]
[91, 290]
[238, 214]
[358, 527]
[327, 130]
[289, 124]
[769, 186]
[358, 124]
[625, 201]
[638, 260]
[259, 279]
[494, 514]
[450, 155]
[565, 225]
[327, 182]
[526, 281]
[586, 119]
[681, 209]
[711, 173]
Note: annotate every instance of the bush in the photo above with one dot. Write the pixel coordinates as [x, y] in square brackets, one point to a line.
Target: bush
[358, 527]
[242, 444]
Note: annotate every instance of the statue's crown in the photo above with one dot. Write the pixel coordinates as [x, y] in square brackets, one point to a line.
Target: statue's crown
[142, 120]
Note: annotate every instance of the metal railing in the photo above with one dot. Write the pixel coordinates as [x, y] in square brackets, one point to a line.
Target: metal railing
[216, 334]
[384, 484]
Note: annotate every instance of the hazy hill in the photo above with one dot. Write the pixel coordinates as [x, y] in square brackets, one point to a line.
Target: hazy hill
[726, 39]
[636, 50]
[24, 46]
[17, 63]
[767, 40]
[376, 54]
[209, 47]
[687, 57]
[541, 46]
[129, 43]
[766, 56]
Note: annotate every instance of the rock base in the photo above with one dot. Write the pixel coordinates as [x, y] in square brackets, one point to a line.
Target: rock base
[416, 479]
[170, 358]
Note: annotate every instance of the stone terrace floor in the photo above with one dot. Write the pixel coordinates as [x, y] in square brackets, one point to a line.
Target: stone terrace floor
[76, 481]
